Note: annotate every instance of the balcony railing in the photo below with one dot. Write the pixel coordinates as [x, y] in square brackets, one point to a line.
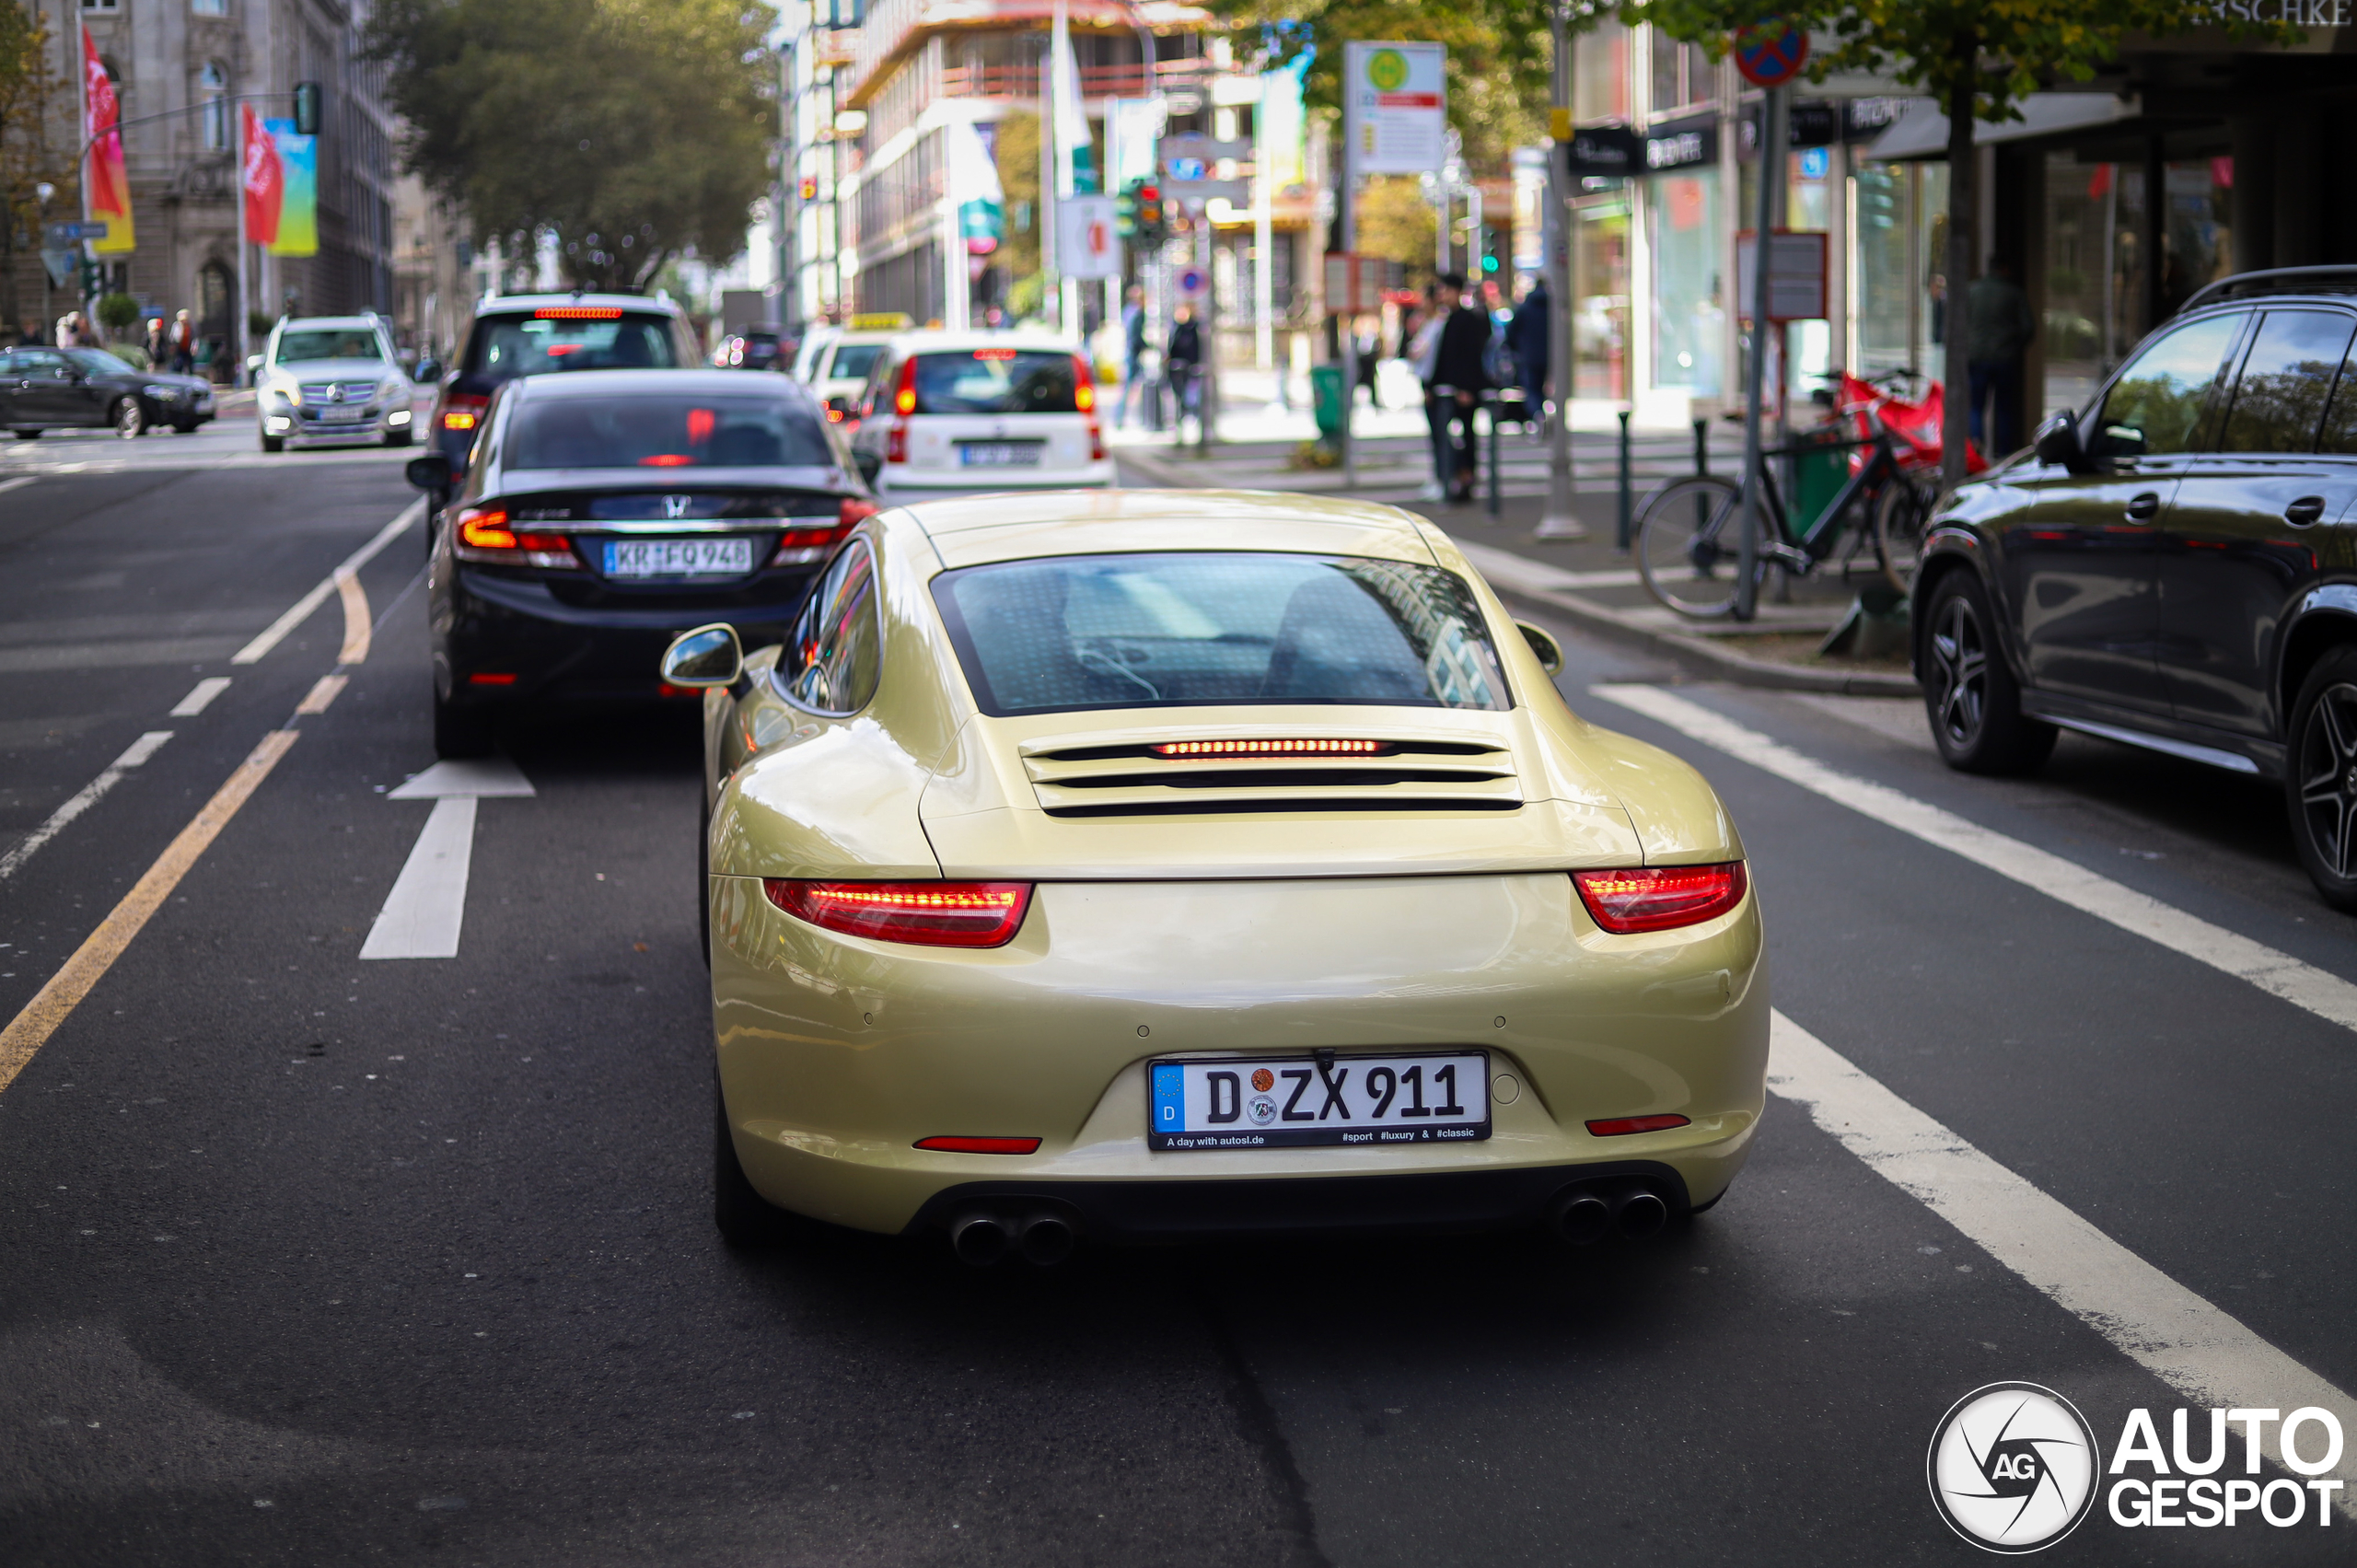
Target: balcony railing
[1027, 80]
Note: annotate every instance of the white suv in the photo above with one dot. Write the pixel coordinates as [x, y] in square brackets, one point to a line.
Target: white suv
[948, 414]
[332, 378]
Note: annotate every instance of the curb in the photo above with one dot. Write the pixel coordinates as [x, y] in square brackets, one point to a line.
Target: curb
[1702, 654]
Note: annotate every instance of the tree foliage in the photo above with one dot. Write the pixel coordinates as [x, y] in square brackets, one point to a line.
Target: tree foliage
[30, 97]
[629, 129]
[1397, 223]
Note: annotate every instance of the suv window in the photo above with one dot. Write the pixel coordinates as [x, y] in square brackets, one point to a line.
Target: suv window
[2156, 406]
[997, 381]
[569, 337]
[2287, 379]
[327, 343]
[836, 654]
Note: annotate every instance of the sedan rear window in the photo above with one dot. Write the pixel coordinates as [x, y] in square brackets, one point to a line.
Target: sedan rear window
[1184, 630]
[996, 381]
[585, 337]
[665, 432]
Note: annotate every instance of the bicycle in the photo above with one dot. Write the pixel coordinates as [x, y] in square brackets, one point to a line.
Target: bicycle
[1687, 530]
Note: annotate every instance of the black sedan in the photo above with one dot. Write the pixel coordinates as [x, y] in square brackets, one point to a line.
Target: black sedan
[52, 389]
[607, 511]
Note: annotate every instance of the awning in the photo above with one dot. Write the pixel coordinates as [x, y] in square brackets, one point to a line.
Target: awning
[1923, 131]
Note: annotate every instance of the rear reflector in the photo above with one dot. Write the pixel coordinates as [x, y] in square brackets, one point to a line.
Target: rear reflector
[930, 914]
[1272, 749]
[1658, 897]
[1616, 1126]
[980, 1145]
[483, 678]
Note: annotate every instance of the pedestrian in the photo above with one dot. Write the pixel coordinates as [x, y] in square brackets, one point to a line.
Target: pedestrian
[1132, 351]
[1183, 362]
[1453, 391]
[70, 329]
[1366, 340]
[1421, 351]
[1526, 336]
[183, 344]
[155, 343]
[1999, 327]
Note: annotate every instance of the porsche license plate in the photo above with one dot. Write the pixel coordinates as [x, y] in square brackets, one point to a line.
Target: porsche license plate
[679, 557]
[1000, 454]
[1272, 1102]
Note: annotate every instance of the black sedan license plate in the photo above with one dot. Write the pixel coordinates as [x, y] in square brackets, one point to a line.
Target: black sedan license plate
[999, 454]
[679, 557]
[1274, 1102]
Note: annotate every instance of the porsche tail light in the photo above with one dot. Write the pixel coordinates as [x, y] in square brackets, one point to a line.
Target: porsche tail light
[980, 1145]
[484, 534]
[463, 411]
[1658, 897]
[1620, 1126]
[904, 395]
[896, 444]
[930, 914]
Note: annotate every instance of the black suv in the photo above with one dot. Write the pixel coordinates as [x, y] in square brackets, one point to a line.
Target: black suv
[2173, 569]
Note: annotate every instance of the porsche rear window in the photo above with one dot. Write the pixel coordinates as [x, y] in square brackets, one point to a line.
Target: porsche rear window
[668, 431]
[1175, 630]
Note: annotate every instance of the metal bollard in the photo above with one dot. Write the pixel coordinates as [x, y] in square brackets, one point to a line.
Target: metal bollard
[1622, 536]
[1495, 497]
[1701, 447]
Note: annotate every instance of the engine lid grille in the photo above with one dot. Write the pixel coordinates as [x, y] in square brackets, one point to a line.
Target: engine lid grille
[1308, 774]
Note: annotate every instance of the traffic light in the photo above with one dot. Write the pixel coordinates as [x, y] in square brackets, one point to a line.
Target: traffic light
[309, 98]
[1153, 226]
[1125, 210]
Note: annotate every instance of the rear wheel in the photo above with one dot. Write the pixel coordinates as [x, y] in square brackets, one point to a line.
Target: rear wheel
[1902, 515]
[461, 732]
[130, 419]
[1969, 692]
[2321, 781]
[1686, 545]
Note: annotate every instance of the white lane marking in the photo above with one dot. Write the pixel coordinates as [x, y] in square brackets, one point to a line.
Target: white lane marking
[8, 485]
[421, 915]
[2203, 1353]
[2303, 985]
[200, 696]
[301, 610]
[490, 776]
[356, 617]
[137, 754]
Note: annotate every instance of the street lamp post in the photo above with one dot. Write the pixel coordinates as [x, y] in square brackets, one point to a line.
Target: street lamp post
[1560, 522]
[42, 193]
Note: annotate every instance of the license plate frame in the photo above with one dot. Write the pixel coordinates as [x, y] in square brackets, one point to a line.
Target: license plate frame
[1001, 454]
[1183, 1107]
[676, 559]
[342, 415]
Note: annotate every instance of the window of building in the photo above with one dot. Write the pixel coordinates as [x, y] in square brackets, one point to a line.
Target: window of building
[1682, 75]
[209, 7]
[212, 96]
[97, 4]
[1600, 74]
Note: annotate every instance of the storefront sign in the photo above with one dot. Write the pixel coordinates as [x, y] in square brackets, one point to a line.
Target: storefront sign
[1863, 119]
[1682, 144]
[1811, 124]
[1607, 150]
[1796, 274]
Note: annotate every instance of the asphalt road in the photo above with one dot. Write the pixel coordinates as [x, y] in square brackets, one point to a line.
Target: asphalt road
[306, 1259]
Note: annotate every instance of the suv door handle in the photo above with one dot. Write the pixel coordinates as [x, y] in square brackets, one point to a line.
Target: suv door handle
[2144, 507]
[2303, 511]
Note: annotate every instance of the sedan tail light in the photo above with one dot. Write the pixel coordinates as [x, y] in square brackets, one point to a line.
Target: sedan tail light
[1658, 897]
[462, 411]
[485, 535]
[930, 914]
[855, 511]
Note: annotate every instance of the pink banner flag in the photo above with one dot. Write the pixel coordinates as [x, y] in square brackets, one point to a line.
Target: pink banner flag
[264, 180]
[108, 188]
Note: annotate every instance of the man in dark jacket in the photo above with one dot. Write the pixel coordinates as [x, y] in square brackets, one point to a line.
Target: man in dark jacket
[2001, 328]
[1526, 336]
[1182, 362]
[1459, 376]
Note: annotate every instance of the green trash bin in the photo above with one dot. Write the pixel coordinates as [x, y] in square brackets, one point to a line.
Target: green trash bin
[1821, 467]
[1325, 398]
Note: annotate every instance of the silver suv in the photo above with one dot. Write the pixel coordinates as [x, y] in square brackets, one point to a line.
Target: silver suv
[332, 378]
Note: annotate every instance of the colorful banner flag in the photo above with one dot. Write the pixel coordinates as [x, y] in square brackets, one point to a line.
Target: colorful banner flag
[264, 178]
[1283, 126]
[298, 200]
[1075, 156]
[982, 199]
[106, 194]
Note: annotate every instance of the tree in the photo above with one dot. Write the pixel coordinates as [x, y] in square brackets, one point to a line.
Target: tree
[629, 129]
[29, 91]
[1398, 224]
[1977, 59]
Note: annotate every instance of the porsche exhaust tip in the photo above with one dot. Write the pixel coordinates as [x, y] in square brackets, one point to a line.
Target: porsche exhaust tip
[1640, 1215]
[981, 1239]
[1046, 1240]
[1583, 1219]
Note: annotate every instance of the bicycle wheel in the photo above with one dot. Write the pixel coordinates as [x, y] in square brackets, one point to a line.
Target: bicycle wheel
[1902, 515]
[1686, 545]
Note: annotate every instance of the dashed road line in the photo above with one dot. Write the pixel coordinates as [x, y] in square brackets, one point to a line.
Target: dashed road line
[2203, 1351]
[2303, 985]
[323, 691]
[83, 799]
[356, 617]
[200, 697]
[55, 1002]
[301, 610]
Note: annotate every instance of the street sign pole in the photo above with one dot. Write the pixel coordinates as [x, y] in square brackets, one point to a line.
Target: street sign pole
[1771, 171]
[1560, 522]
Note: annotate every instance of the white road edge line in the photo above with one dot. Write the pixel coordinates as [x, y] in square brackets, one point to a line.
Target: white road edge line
[137, 754]
[17, 483]
[2204, 1353]
[2303, 985]
[428, 903]
[200, 697]
[301, 610]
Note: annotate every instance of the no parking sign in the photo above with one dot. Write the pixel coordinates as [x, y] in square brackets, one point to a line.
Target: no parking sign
[1770, 52]
[1194, 282]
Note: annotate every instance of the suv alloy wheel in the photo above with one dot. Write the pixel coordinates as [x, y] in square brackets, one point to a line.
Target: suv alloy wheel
[2320, 776]
[1970, 690]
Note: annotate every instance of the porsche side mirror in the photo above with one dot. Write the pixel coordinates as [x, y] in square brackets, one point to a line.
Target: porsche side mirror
[430, 472]
[1548, 652]
[709, 656]
[2058, 443]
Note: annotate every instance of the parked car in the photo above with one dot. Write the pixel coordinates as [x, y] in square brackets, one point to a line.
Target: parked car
[52, 389]
[609, 512]
[2171, 567]
[835, 362]
[332, 378]
[756, 348]
[946, 413]
[1137, 864]
[514, 335]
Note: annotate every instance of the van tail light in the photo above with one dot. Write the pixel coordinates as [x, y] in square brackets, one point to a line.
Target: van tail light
[462, 411]
[1084, 385]
[929, 915]
[896, 444]
[1096, 442]
[1658, 897]
[485, 534]
[904, 395]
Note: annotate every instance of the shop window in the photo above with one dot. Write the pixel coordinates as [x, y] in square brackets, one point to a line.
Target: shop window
[1689, 300]
[1600, 321]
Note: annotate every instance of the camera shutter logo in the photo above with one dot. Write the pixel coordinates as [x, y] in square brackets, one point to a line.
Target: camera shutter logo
[2013, 1468]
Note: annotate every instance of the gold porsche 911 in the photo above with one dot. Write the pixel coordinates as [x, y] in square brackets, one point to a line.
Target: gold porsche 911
[1135, 866]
